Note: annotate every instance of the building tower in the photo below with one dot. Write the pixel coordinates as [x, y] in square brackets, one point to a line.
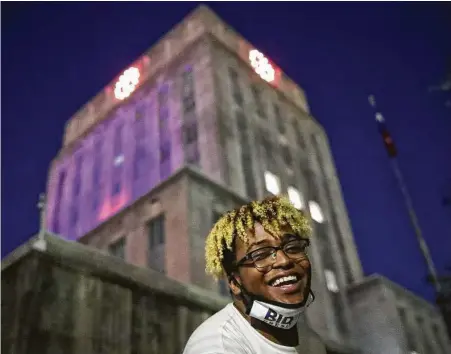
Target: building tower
[199, 124]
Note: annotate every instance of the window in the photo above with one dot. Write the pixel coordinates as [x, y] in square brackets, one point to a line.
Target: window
[236, 90]
[272, 183]
[298, 133]
[140, 164]
[156, 242]
[316, 212]
[118, 160]
[279, 120]
[258, 101]
[117, 142]
[140, 112]
[77, 175]
[331, 281]
[189, 133]
[57, 203]
[165, 151]
[188, 95]
[268, 157]
[246, 156]
[287, 156]
[411, 347]
[97, 173]
[156, 231]
[295, 197]
[192, 154]
[117, 248]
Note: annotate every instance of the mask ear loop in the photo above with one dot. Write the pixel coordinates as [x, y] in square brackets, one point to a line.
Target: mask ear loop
[245, 296]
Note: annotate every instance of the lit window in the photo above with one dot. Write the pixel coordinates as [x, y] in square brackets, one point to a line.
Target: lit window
[272, 183]
[295, 197]
[127, 83]
[261, 65]
[316, 212]
[331, 281]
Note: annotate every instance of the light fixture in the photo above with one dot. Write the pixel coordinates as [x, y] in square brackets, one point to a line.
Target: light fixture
[261, 65]
[126, 83]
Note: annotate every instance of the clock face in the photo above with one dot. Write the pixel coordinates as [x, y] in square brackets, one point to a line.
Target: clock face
[126, 83]
[261, 65]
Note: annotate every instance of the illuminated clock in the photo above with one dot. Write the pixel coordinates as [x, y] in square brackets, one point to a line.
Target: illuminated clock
[126, 83]
[261, 65]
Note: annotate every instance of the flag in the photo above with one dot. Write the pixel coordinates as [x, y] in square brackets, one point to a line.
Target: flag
[386, 137]
[383, 130]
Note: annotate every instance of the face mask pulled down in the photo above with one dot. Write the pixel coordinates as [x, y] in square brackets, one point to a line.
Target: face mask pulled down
[278, 315]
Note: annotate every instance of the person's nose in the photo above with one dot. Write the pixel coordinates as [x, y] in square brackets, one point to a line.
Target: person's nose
[282, 260]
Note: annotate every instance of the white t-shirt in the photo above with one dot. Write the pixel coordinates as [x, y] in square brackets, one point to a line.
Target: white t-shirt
[227, 331]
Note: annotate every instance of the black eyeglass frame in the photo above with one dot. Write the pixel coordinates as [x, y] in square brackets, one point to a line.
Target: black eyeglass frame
[248, 256]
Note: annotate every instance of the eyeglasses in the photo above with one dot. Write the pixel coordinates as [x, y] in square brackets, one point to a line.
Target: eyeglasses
[265, 257]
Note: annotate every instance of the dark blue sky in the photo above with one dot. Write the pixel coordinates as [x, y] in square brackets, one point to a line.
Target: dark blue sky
[57, 56]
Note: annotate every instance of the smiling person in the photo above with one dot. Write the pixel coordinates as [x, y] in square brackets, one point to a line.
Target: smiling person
[262, 250]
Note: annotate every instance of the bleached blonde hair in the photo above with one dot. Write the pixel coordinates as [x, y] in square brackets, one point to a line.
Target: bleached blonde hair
[272, 213]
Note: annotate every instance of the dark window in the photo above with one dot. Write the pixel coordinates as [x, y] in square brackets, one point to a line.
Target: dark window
[97, 173]
[156, 237]
[117, 140]
[165, 151]
[77, 175]
[156, 231]
[58, 197]
[256, 92]
[188, 96]
[236, 90]
[140, 164]
[287, 156]
[279, 119]
[407, 330]
[192, 154]
[246, 156]
[298, 133]
[118, 161]
[189, 133]
[140, 112]
[117, 248]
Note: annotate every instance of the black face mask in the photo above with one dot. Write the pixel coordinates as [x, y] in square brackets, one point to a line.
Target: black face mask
[274, 313]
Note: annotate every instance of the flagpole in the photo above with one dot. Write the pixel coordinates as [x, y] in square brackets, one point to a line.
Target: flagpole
[407, 200]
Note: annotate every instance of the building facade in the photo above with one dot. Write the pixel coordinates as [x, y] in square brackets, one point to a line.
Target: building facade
[395, 320]
[199, 124]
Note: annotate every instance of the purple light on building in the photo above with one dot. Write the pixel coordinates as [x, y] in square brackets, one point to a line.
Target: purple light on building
[121, 159]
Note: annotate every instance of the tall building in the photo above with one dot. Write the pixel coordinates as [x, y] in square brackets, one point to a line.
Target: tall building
[199, 124]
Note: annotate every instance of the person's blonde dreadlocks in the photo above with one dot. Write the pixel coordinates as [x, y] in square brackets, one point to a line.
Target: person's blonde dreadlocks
[272, 213]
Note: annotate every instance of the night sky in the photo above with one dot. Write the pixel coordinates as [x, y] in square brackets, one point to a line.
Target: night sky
[57, 56]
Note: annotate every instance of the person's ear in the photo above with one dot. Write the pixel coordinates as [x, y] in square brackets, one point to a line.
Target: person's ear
[234, 285]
